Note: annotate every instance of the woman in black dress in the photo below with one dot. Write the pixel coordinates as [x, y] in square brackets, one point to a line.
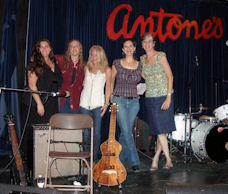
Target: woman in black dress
[43, 75]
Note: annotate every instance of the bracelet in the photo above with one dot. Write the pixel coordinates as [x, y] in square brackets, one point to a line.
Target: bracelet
[170, 93]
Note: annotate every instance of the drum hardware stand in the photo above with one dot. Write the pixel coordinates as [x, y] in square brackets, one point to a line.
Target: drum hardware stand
[188, 140]
[197, 157]
[173, 147]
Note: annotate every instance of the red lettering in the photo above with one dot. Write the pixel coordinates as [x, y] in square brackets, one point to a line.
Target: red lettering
[111, 21]
[189, 25]
[174, 22]
[173, 29]
[218, 28]
[206, 27]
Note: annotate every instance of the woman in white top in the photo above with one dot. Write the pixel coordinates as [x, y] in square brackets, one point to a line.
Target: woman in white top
[93, 101]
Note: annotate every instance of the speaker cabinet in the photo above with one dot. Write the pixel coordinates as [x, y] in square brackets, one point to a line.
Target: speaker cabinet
[141, 134]
[60, 167]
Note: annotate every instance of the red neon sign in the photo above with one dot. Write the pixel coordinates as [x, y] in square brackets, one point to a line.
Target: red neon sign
[210, 27]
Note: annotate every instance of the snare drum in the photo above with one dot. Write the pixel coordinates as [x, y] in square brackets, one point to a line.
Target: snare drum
[208, 143]
[221, 113]
[179, 134]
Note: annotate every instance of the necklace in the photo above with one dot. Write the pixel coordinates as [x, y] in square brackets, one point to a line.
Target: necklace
[75, 60]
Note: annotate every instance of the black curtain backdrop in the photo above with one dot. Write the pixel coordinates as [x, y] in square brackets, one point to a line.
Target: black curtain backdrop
[86, 20]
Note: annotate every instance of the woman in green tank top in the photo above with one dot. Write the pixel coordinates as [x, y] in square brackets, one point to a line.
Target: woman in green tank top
[159, 88]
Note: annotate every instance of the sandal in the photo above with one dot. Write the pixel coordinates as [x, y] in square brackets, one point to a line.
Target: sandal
[152, 168]
[168, 167]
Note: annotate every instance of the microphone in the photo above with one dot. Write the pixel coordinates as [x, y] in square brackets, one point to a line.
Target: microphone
[65, 94]
[196, 61]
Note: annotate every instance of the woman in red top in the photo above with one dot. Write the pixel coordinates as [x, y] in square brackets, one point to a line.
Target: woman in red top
[72, 67]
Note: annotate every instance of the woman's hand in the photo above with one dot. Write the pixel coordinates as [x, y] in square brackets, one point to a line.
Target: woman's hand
[166, 104]
[40, 109]
[111, 97]
[103, 108]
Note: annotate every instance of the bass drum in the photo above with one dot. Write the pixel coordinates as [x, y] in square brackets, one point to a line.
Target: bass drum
[209, 143]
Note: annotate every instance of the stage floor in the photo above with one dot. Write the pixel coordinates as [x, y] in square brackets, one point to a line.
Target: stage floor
[186, 177]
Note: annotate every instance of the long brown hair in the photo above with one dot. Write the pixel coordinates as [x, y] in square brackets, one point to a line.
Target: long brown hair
[67, 54]
[37, 61]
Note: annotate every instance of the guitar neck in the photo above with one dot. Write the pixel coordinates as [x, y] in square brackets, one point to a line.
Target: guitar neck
[16, 152]
[112, 126]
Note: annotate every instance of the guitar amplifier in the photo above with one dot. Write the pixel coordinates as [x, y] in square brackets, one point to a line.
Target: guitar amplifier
[141, 133]
[60, 167]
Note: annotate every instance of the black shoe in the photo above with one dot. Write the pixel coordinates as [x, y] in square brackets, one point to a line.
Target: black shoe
[135, 168]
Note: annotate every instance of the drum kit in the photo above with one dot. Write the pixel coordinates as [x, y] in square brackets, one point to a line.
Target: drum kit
[206, 138]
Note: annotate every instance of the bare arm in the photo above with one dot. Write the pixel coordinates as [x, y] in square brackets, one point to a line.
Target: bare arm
[32, 79]
[169, 75]
[114, 72]
[107, 90]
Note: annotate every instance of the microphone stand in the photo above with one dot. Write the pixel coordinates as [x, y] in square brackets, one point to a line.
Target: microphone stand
[216, 82]
[189, 113]
[25, 90]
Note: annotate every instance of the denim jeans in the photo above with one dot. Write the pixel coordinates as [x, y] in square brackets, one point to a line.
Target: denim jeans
[95, 114]
[66, 107]
[126, 114]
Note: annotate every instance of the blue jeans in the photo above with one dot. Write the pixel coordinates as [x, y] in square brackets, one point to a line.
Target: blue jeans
[66, 107]
[126, 114]
[95, 114]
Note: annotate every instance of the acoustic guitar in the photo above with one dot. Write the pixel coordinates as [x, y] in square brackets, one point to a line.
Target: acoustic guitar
[109, 171]
[13, 136]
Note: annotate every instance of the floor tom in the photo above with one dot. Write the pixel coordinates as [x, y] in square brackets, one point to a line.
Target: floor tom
[180, 121]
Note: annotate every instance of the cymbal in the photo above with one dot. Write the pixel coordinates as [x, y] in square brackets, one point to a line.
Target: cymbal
[209, 118]
[201, 108]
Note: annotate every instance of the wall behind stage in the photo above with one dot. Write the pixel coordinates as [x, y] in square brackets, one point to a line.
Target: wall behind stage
[184, 29]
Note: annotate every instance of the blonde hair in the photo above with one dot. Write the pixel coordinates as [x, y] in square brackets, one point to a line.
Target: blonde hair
[67, 53]
[102, 59]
